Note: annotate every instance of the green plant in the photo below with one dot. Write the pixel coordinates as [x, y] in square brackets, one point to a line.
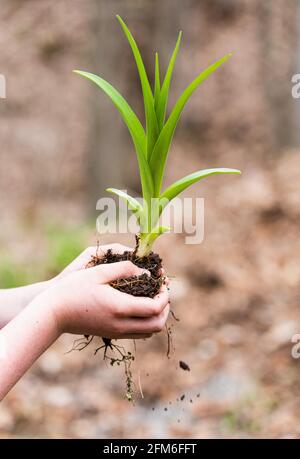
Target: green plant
[152, 143]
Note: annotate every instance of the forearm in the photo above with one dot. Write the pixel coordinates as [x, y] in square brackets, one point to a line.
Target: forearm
[23, 340]
[13, 301]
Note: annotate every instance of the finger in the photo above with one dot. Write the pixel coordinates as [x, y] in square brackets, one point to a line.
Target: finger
[134, 306]
[147, 325]
[113, 271]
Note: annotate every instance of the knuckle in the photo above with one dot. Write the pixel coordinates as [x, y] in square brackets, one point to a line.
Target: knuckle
[159, 326]
[118, 328]
[118, 311]
[129, 265]
[156, 309]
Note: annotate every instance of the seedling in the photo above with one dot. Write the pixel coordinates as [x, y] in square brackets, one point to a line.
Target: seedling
[153, 142]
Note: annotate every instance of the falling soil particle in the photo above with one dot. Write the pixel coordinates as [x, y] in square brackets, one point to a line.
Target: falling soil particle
[182, 397]
[184, 366]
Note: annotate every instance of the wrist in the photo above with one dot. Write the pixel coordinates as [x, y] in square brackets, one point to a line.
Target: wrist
[45, 308]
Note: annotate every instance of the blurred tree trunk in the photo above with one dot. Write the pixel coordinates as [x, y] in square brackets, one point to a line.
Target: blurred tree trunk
[277, 29]
[108, 143]
[296, 69]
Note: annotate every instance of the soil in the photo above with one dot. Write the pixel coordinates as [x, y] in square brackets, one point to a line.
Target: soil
[143, 285]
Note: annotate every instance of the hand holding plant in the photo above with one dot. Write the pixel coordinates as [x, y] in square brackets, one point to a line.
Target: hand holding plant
[80, 302]
[84, 303]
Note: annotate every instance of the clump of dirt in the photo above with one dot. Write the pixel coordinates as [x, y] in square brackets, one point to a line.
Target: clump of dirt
[143, 285]
[184, 366]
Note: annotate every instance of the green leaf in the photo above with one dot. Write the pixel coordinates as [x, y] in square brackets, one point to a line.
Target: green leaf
[134, 126]
[157, 82]
[133, 203]
[164, 93]
[180, 185]
[151, 120]
[160, 151]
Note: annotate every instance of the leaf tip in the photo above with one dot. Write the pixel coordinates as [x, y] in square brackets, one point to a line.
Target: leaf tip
[120, 20]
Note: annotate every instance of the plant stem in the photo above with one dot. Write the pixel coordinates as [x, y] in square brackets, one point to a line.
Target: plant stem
[145, 244]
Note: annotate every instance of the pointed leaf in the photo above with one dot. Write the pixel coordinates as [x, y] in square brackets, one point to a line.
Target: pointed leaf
[134, 126]
[157, 82]
[180, 185]
[133, 203]
[164, 94]
[151, 120]
[160, 151]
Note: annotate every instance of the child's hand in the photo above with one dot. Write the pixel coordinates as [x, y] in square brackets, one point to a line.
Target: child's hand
[83, 302]
[14, 300]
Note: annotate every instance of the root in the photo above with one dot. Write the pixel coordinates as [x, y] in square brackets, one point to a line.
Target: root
[124, 358]
[81, 343]
[173, 315]
[169, 340]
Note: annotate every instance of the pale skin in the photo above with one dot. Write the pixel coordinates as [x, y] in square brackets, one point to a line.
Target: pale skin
[78, 301]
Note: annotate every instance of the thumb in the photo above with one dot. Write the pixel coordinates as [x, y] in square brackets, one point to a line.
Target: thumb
[113, 271]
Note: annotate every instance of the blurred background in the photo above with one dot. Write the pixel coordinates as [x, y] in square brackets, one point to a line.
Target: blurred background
[236, 294]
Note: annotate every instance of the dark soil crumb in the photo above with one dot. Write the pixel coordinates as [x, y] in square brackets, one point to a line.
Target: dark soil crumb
[208, 280]
[273, 214]
[153, 409]
[184, 366]
[143, 285]
[166, 409]
[191, 401]
[182, 397]
[198, 395]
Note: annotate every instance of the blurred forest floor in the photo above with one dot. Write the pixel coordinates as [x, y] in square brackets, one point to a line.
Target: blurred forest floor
[237, 298]
[236, 294]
